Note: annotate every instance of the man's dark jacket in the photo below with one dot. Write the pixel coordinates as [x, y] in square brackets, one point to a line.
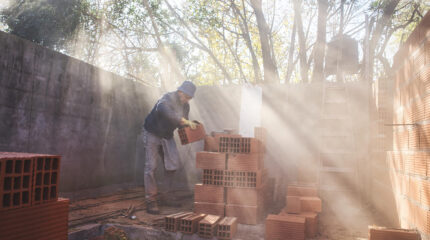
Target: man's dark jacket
[166, 115]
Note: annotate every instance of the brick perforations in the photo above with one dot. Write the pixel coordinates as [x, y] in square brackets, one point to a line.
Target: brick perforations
[208, 226]
[227, 228]
[45, 179]
[239, 179]
[189, 224]
[15, 179]
[239, 145]
[172, 222]
[188, 135]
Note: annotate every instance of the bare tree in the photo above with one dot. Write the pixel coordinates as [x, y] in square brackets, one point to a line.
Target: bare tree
[319, 53]
[270, 69]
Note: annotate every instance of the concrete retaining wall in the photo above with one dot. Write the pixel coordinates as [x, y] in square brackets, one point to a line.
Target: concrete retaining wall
[52, 103]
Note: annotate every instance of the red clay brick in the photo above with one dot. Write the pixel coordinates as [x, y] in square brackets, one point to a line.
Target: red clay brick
[382, 233]
[278, 227]
[190, 223]
[425, 130]
[245, 179]
[209, 208]
[208, 193]
[208, 226]
[422, 220]
[425, 194]
[211, 145]
[211, 160]
[420, 163]
[173, 221]
[293, 204]
[311, 222]
[409, 163]
[245, 196]
[260, 133]
[245, 162]
[227, 228]
[16, 170]
[303, 191]
[239, 145]
[45, 178]
[45, 221]
[414, 189]
[414, 139]
[311, 204]
[188, 135]
[245, 214]
[214, 177]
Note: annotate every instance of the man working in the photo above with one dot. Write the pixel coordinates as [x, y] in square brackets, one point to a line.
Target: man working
[169, 113]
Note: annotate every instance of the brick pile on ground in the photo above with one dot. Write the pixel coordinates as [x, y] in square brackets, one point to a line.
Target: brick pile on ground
[299, 218]
[205, 225]
[383, 233]
[29, 203]
[234, 177]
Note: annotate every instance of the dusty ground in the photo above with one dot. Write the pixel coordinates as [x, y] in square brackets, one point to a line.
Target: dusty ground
[349, 224]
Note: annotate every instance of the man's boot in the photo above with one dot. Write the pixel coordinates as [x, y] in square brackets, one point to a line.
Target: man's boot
[152, 207]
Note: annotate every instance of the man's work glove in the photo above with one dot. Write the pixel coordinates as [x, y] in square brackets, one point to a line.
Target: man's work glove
[189, 123]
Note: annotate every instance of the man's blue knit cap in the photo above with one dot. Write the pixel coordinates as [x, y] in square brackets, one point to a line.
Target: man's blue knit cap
[188, 88]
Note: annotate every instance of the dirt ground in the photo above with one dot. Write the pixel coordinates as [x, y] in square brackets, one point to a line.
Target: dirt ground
[352, 223]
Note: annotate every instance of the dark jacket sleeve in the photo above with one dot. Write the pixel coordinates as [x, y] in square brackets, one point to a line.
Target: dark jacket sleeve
[165, 109]
[186, 110]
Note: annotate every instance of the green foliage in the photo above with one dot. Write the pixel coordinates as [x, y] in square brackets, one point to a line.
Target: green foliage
[49, 23]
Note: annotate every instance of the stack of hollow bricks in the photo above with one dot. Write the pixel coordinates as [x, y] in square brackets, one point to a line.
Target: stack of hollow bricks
[29, 203]
[299, 219]
[409, 162]
[233, 177]
[206, 225]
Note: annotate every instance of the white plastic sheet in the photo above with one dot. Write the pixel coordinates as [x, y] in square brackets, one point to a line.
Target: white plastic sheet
[250, 110]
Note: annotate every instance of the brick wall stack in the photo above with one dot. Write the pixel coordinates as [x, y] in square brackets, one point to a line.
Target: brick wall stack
[299, 218]
[29, 203]
[408, 162]
[234, 177]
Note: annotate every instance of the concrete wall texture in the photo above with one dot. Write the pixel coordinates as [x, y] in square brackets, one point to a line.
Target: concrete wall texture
[52, 103]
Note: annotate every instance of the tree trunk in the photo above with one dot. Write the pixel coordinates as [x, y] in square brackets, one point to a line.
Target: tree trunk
[388, 12]
[291, 54]
[318, 74]
[304, 68]
[243, 24]
[270, 70]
